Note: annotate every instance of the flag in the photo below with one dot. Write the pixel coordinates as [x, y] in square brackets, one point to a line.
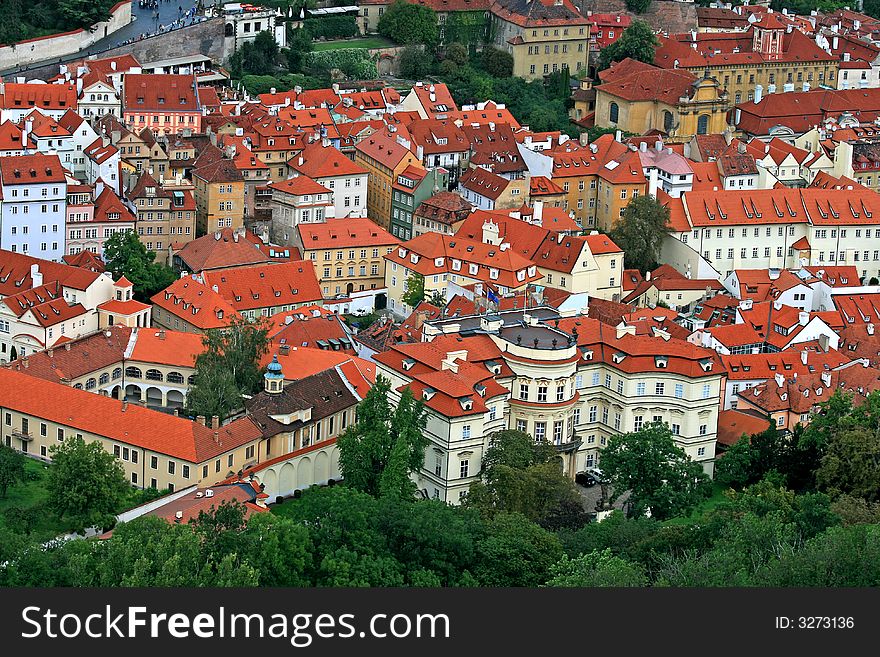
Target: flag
[491, 296]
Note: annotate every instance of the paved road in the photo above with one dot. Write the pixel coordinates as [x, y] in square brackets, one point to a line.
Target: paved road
[147, 21]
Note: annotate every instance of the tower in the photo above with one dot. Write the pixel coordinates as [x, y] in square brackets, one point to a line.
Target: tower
[273, 379]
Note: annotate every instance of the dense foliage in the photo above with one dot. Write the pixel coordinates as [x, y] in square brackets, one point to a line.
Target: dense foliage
[331, 27]
[637, 42]
[407, 24]
[763, 535]
[257, 57]
[125, 255]
[640, 232]
[355, 63]
[20, 19]
[228, 368]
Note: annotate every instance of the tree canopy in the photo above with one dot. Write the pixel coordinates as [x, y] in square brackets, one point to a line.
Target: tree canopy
[86, 483]
[125, 255]
[11, 468]
[640, 232]
[378, 453]
[415, 290]
[408, 24]
[228, 368]
[637, 42]
[659, 475]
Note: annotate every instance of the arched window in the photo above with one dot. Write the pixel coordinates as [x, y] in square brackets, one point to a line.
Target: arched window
[613, 112]
[174, 377]
[667, 121]
[133, 373]
[104, 378]
[154, 375]
[91, 384]
[703, 124]
[117, 373]
[78, 386]
[191, 379]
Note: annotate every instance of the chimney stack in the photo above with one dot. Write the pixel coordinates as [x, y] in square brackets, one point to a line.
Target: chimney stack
[215, 421]
[200, 419]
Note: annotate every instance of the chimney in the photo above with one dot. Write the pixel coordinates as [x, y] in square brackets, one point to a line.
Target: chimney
[780, 380]
[870, 328]
[162, 334]
[643, 147]
[538, 213]
[804, 356]
[826, 379]
[835, 42]
[200, 419]
[653, 183]
[824, 342]
[803, 318]
[124, 406]
[759, 92]
[215, 421]
[618, 136]
[36, 275]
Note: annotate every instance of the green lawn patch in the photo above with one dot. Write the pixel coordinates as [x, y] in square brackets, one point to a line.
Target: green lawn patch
[708, 504]
[32, 494]
[366, 42]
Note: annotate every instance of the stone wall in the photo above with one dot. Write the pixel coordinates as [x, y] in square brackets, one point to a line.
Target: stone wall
[41, 49]
[667, 15]
[205, 38]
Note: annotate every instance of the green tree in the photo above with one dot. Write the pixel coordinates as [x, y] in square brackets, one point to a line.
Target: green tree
[11, 468]
[86, 484]
[456, 52]
[640, 232]
[516, 552]
[751, 458]
[413, 63]
[525, 477]
[497, 63]
[298, 45]
[410, 24]
[851, 464]
[658, 473]
[415, 290]
[228, 368]
[257, 57]
[638, 6]
[596, 569]
[125, 255]
[637, 42]
[378, 453]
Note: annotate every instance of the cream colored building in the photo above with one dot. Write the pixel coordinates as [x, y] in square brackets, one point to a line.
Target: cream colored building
[575, 383]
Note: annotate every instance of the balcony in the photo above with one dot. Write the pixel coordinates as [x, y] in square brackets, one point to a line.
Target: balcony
[571, 446]
[22, 435]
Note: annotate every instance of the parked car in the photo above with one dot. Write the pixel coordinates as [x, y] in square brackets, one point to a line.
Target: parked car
[590, 476]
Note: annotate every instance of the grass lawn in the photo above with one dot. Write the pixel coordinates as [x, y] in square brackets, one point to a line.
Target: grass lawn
[708, 504]
[32, 493]
[367, 42]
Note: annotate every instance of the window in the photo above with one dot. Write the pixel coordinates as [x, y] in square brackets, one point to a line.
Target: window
[640, 388]
[522, 425]
[676, 429]
[703, 124]
[703, 429]
[464, 468]
[701, 451]
[185, 472]
[619, 386]
[154, 462]
[638, 421]
[171, 465]
[558, 429]
[540, 431]
[659, 388]
[679, 390]
[614, 113]
[593, 413]
[523, 390]
[465, 431]
[560, 392]
[542, 393]
[707, 391]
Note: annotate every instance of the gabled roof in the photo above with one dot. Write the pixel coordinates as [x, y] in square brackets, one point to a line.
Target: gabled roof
[319, 161]
[195, 303]
[160, 93]
[344, 233]
[218, 250]
[266, 285]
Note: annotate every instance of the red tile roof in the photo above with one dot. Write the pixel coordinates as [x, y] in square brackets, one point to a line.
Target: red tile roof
[195, 303]
[344, 233]
[31, 170]
[733, 424]
[15, 273]
[50, 97]
[266, 285]
[320, 161]
[160, 93]
[218, 250]
[299, 186]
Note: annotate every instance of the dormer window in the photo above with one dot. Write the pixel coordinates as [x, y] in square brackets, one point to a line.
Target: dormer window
[466, 403]
[456, 265]
[427, 393]
[408, 363]
[473, 269]
[587, 354]
[414, 258]
[618, 357]
[660, 362]
[438, 262]
[493, 273]
[521, 275]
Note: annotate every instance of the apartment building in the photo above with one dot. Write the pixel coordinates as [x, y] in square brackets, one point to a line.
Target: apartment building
[346, 179]
[449, 259]
[298, 200]
[219, 196]
[164, 103]
[191, 306]
[33, 208]
[591, 264]
[166, 214]
[90, 223]
[384, 155]
[544, 36]
[715, 233]
[348, 253]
